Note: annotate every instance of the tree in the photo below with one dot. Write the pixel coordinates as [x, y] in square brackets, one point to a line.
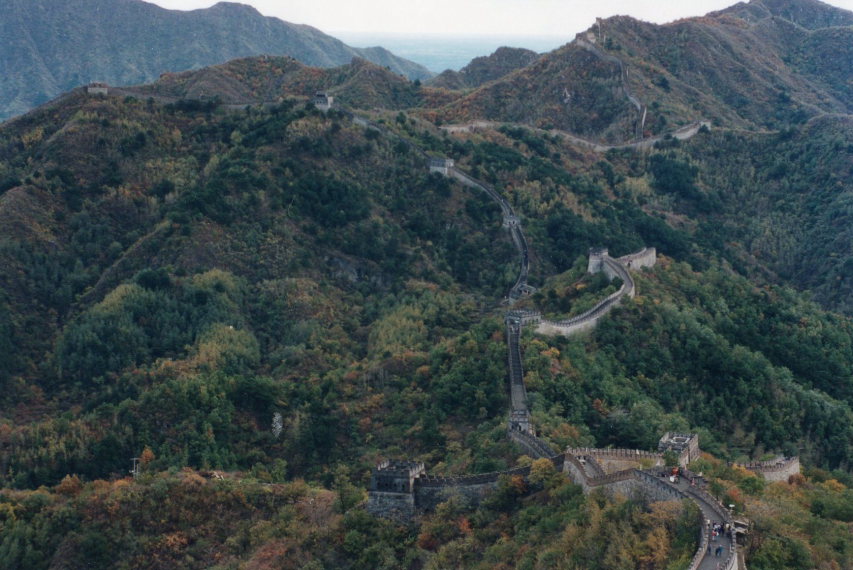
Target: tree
[146, 457]
[670, 458]
[543, 472]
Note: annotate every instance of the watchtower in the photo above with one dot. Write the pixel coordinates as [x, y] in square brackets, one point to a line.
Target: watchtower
[510, 221]
[519, 420]
[440, 165]
[522, 317]
[323, 101]
[97, 89]
[392, 476]
[596, 259]
[685, 445]
[392, 489]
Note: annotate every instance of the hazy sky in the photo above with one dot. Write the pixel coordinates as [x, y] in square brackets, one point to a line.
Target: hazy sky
[481, 17]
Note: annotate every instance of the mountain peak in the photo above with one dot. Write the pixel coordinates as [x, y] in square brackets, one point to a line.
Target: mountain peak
[808, 14]
[483, 69]
[233, 8]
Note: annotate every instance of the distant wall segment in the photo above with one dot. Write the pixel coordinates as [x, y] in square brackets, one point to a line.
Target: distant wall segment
[779, 469]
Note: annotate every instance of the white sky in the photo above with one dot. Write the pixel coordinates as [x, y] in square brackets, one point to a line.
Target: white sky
[469, 17]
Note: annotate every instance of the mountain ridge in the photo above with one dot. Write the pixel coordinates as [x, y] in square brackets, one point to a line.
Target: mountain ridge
[252, 299]
[483, 69]
[134, 42]
[625, 76]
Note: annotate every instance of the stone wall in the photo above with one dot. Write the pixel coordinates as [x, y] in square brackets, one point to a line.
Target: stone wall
[532, 445]
[646, 257]
[427, 498]
[779, 469]
[615, 453]
[430, 491]
[600, 261]
[393, 506]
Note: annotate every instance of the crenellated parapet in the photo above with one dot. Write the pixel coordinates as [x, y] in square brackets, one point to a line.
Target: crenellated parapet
[646, 257]
[600, 261]
[779, 469]
[607, 452]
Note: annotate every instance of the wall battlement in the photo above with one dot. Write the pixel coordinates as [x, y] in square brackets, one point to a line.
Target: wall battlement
[614, 453]
[779, 469]
[600, 261]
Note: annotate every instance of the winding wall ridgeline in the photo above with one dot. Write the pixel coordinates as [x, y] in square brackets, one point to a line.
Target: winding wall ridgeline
[599, 260]
[402, 489]
[511, 222]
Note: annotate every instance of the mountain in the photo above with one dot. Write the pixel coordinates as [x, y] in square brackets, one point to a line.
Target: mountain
[359, 83]
[483, 69]
[255, 301]
[748, 67]
[808, 14]
[52, 46]
[262, 302]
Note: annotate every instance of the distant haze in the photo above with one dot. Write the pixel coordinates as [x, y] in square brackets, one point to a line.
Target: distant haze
[471, 17]
[440, 52]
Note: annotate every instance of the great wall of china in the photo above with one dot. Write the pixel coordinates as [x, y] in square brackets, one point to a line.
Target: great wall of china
[402, 489]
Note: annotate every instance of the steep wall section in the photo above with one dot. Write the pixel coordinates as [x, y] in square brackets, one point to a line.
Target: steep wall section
[399, 490]
[646, 485]
[532, 445]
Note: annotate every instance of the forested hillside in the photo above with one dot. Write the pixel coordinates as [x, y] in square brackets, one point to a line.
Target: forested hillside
[484, 69]
[259, 301]
[51, 46]
[746, 67]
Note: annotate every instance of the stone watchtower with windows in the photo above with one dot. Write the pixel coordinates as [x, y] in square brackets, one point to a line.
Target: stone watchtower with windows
[323, 101]
[392, 489]
[596, 259]
[684, 445]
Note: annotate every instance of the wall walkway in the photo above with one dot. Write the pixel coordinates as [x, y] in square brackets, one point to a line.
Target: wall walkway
[583, 468]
